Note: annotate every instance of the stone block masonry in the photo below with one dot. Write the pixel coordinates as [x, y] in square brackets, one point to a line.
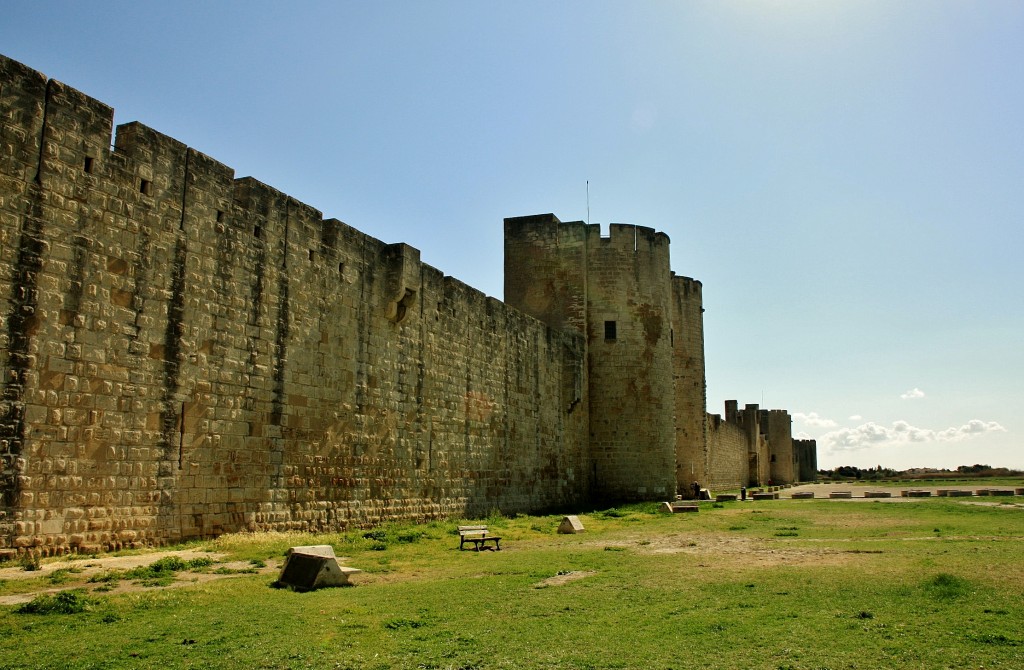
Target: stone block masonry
[184, 353]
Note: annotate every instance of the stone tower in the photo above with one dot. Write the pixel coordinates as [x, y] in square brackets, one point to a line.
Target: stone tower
[617, 291]
[687, 340]
[778, 426]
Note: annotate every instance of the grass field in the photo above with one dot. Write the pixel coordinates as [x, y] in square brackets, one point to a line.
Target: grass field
[929, 583]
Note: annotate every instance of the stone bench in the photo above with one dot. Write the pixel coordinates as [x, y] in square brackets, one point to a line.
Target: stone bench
[802, 495]
[841, 494]
[726, 497]
[877, 494]
[959, 493]
[765, 496]
[919, 493]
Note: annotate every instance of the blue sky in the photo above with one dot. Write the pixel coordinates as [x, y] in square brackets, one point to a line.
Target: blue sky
[846, 178]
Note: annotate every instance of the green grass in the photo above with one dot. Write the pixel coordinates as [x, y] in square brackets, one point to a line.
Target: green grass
[772, 584]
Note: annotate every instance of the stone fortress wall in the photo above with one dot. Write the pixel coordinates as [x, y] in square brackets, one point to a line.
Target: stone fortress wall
[184, 354]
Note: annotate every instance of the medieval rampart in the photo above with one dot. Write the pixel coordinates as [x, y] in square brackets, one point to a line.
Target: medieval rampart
[616, 290]
[185, 353]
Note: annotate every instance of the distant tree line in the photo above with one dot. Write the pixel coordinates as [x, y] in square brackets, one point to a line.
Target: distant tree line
[868, 474]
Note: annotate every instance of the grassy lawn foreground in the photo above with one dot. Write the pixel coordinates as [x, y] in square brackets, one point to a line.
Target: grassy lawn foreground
[933, 583]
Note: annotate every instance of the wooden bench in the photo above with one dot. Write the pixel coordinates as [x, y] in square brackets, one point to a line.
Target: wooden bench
[477, 536]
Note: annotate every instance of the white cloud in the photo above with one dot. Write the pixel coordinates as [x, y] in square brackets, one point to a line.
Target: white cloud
[913, 393]
[969, 429]
[812, 419]
[856, 417]
[871, 434]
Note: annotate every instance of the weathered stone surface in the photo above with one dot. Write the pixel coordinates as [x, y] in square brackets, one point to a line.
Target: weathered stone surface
[313, 567]
[570, 525]
[184, 353]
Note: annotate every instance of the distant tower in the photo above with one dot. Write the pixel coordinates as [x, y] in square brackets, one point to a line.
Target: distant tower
[687, 340]
[777, 425]
[617, 291]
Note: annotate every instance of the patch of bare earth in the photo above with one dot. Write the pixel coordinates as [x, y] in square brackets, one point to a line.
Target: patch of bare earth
[716, 550]
[564, 578]
[82, 569]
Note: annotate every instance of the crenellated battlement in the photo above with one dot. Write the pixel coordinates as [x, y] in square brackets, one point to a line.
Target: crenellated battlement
[630, 237]
[688, 287]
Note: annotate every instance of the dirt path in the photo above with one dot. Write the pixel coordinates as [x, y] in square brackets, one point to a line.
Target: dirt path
[81, 569]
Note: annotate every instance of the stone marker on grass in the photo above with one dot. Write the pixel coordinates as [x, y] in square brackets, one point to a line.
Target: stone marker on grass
[570, 525]
[313, 567]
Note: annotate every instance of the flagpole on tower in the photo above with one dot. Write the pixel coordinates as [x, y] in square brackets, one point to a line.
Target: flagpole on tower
[588, 202]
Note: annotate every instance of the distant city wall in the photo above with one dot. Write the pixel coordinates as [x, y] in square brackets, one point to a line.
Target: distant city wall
[187, 354]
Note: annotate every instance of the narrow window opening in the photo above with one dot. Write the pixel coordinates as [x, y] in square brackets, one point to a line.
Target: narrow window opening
[671, 337]
[609, 330]
[88, 165]
[312, 255]
[256, 231]
[220, 216]
[341, 268]
[146, 187]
